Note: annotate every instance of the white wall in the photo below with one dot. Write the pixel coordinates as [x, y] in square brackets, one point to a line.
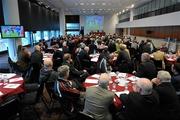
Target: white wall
[110, 22]
[171, 19]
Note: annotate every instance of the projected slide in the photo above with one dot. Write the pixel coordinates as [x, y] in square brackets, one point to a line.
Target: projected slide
[94, 23]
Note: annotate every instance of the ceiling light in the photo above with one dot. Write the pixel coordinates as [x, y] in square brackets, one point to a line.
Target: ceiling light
[123, 11]
[132, 5]
[81, 3]
[92, 3]
[109, 9]
[103, 3]
[127, 9]
[100, 9]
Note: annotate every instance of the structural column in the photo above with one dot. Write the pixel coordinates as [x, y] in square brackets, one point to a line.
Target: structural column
[62, 22]
[11, 17]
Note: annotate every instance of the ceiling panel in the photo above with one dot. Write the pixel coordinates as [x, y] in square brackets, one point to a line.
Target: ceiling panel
[92, 6]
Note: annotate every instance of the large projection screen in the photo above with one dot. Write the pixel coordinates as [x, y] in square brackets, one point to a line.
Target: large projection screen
[94, 23]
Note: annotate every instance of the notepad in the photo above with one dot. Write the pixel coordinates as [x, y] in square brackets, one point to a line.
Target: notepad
[94, 81]
[95, 76]
[15, 79]
[12, 86]
[122, 92]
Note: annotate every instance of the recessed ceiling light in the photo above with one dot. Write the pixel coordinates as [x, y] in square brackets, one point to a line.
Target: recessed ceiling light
[103, 3]
[100, 9]
[92, 9]
[81, 3]
[132, 5]
[123, 11]
[92, 3]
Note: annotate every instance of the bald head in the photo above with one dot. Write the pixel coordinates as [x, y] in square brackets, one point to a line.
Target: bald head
[37, 47]
[144, 86]
[48, 63]
[145, 57]
[104, 80]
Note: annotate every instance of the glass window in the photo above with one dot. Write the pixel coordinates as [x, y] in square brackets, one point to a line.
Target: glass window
[72, 32]
[161, 4]
[57, 34]
[3, 44]
[52, 34]
[26, 39]
[72, 26]
[37, 36]
[46, 35]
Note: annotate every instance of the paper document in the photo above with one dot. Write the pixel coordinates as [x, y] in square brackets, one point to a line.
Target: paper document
[95, 76]
[15, 79]
[95, 81]
[12, 86]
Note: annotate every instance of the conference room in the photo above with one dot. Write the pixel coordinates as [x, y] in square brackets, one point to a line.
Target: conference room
[89, 60]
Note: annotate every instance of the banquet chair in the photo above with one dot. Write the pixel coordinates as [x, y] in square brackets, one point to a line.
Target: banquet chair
[10, 108]
[29, 100]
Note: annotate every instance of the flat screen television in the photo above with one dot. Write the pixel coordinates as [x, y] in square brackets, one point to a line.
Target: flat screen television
[12, 31]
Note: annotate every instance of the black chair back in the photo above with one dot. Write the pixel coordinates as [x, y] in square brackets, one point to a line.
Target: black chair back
[84, 116]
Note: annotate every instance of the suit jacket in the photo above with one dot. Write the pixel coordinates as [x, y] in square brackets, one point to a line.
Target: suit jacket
[37, 58]
[97, 102]
[147, 69]
[138, 107]
[169, 108]
[175, 80]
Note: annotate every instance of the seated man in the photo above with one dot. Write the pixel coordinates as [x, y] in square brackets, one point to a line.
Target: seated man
[98, 99]
[169, 108]
[47, 75]
[74, 73]
[146, 69]
[66, 89]
[140, 104]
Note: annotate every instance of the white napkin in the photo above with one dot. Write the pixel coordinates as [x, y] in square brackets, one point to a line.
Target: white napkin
[112, 74]
[95, 59]
[95, 76]
[95, 81]
[122, 75]
[12, 86]
[133, 78]
[15, 79]
[122, 92]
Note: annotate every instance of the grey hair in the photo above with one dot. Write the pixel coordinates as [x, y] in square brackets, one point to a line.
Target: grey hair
[145, 86]
[37, 47]
[164, 76]
[63, 70]
[104, 80]
[145, 57]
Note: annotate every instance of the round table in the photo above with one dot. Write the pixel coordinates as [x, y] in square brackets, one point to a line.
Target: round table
[14, 86]
[118, 89]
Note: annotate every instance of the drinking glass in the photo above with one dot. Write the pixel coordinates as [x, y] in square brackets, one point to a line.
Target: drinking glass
[5, 79]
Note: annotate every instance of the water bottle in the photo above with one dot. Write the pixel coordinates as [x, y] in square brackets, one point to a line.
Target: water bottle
[5, 79]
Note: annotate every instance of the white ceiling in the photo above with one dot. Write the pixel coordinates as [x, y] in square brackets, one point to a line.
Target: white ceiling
[92, 6]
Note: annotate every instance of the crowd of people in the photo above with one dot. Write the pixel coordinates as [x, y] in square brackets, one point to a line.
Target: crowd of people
[154, 95]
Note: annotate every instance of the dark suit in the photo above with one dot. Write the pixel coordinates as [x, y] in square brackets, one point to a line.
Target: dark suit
[139, 107]
[36, 62]
[147, 70]
[97, 102]
[169, 108]
[175, 80]
[57, 59]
